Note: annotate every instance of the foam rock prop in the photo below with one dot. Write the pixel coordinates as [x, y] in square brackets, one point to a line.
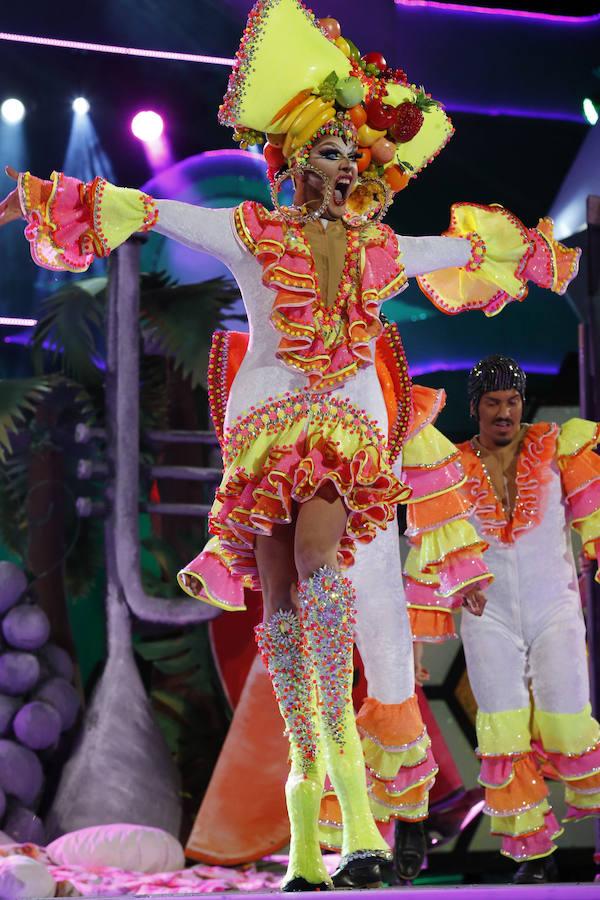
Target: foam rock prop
[23, 878]
[134, 848]
[121, 768]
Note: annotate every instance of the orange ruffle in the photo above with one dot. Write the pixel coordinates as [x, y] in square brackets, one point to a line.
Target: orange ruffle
[430, 513]
[533, 473]
[580, 469]
[432, 626]
[427, 404]
[327, 344]
[525, 789]
[391, 725]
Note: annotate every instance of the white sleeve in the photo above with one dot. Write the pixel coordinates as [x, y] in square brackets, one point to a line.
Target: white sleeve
[200, 228]
[426, 254]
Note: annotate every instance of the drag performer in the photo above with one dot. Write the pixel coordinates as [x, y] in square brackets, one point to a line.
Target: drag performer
[307, 470]
[526, 655]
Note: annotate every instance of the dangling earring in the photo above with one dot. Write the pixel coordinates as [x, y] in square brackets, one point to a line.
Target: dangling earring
[299, 217]
[369, 185]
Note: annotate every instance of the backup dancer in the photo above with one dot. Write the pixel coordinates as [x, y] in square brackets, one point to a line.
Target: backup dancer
[526, 655]
[307, 472]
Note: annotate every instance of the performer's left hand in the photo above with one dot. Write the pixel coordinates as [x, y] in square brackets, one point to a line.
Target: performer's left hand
[474, 600]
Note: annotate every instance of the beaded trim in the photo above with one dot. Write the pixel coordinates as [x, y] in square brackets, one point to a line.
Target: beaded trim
[327, 615]
[230, 109]
[390, 344]
[478, 251]
[283, 410]
[284, 652]
[217, 380]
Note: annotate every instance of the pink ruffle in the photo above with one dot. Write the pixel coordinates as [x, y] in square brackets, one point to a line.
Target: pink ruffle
[418, 593]
[428, 482]
[461, 570]
[218, 585]
[496, 771]
[531, 846]
[586, 501]
[571, 768]
[409, 776]
[288, 269]
[60, 238]
[575, 814]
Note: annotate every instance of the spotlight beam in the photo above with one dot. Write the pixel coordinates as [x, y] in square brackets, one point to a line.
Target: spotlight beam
[109, 48]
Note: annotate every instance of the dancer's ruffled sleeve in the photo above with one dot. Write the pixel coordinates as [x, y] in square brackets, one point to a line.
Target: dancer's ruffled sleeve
[446, 553]
[504, 256]
[580, 470]
[69, 223]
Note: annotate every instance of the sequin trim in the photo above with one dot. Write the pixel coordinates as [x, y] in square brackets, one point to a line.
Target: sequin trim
[327, 616]
[284, 652]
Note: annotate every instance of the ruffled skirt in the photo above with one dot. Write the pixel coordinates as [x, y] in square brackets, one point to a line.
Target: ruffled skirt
[280, 453]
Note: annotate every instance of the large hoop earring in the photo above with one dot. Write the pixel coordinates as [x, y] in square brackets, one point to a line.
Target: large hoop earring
[287, 212]
[378, 209]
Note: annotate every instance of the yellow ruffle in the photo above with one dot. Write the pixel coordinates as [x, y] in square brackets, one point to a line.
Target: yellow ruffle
[577, 435]
[428, 449]
[504, 733]
[499, 276]
[120, 212]
[385, 763]
[442, 542]
[568, 733]
[523, 823]
[412, 568]
[582, 801]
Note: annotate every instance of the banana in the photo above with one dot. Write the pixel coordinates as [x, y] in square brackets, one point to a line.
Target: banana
[325, 115]
[284, 125]
[304, 116]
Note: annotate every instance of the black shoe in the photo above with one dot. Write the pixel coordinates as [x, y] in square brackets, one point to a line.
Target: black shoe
[536, 871]
[362, 869]
[409, 849]
[301, 884]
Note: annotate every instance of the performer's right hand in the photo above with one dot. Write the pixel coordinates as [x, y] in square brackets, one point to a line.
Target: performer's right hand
[10, 208]
[474, 601]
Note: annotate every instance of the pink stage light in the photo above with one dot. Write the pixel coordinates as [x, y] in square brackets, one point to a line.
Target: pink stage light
[147, 126]
[110, 48]
[11, 320]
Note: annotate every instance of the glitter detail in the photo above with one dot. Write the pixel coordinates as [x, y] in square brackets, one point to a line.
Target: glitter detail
[478, 251]
[327, 615]
[284, 652]
[349, 858]
[342, 127]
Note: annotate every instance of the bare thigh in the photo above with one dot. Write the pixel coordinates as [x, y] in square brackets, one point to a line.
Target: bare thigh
[320, 525]
[276, 569]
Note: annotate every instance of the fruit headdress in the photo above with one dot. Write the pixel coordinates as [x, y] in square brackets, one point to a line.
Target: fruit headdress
[295, 78]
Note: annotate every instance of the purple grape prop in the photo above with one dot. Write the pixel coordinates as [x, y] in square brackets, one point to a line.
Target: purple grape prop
[38, 704]
[26, 627]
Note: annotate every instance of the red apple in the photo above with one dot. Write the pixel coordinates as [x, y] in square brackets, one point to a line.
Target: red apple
[380, 115]
[376, 59]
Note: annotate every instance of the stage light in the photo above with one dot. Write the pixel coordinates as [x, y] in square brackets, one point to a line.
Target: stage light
[80, 106]
[590, 110]
[147, 126]
[12, 111]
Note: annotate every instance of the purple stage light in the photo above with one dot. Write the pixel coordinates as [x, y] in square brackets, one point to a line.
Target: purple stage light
[463, 365]
[147, 126]
[110, 48]
[547, 18]
[552, 115]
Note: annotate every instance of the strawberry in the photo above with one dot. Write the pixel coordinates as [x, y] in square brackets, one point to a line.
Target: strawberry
[410, 117]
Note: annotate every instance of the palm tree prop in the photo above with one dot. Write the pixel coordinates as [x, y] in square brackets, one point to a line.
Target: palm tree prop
[121, 769]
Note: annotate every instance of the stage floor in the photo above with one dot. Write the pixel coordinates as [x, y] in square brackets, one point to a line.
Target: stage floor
[474, 892]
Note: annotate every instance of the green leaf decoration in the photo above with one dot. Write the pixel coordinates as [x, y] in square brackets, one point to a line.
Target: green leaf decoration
[70, 324]
[327, 87]
[182, 319]
[18, 398]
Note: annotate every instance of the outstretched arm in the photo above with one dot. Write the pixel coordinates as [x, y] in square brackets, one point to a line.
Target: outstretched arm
[486, 259]
[69, 222]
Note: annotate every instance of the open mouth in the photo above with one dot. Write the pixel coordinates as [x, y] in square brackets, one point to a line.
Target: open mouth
[341, 189]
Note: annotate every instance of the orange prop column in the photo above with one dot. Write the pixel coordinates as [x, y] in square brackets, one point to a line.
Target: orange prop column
[243, 815]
